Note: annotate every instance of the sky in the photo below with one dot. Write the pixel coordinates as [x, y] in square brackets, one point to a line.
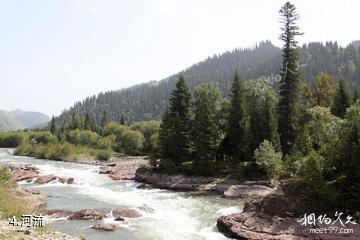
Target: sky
[56, 52]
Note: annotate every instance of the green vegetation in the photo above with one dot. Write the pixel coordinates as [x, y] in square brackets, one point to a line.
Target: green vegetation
[305, 132]
[9, 204]
[72, 141]
[290, 77]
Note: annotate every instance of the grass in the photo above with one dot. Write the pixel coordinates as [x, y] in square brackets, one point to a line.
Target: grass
[10, 205]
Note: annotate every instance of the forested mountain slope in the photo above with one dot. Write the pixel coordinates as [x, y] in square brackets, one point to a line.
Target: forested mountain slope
[148, 100]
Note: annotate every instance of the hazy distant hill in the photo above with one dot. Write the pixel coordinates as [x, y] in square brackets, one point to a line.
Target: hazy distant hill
[29, 119]
[8, 123]
[19, 119]
[148, 100]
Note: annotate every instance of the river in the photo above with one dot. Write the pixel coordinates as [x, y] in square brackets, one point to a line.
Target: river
[177, 215]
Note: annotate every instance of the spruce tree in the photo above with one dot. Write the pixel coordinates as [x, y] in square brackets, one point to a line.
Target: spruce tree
[290, 77]
[93, 126]
[104, 119]
[77, 122]
[122, 119]
[206, 130]
[356, 94]
[180, 104]
[342, 99]
[236, 140]
[165, 136]
[87, 122]
[53, 126]
[271, 123]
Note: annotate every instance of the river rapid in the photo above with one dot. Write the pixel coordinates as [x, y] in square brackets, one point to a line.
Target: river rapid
[177, 215]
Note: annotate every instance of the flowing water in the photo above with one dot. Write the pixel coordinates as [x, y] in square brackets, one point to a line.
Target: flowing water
[177, 215]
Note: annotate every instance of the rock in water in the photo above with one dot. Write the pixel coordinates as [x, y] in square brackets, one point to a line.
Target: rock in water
[86, 214]
[45, 179]
[129, 213]
[20, 175]
[104, 226]
[69, 181]
[120, 176]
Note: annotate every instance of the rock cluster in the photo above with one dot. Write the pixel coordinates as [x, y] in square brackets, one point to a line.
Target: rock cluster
[227, 187]
[123, 168]
[277, 217]
[31, 174]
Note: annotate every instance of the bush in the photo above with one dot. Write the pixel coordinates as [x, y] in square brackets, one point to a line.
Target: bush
[104, 154]
[268, 159]
[106, 142]
[43, 137]
[84, 137]
[11, 139]
[132, 142]
[312, 168]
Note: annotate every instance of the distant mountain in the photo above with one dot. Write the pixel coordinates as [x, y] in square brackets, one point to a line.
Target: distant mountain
[29, 119]
[8, 123]
[148, 100]
[18, 119]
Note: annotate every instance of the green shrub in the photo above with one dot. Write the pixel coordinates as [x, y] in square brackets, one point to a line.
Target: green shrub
[268, 159]
[106, 142]
[11, 140]
[43, 137]
[104, 154]
[132, 142]
[312, 168]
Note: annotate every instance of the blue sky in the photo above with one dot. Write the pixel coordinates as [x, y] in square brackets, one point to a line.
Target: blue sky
[56, 52]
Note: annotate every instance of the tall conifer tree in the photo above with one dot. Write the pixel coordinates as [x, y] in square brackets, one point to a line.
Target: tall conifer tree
[290, 76]
[53, 126]
[180, 106]
[238, 123]
[87, 122]
[342, 99]
[206, 128]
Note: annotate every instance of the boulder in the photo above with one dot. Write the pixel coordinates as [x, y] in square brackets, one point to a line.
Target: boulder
[33, 198]
[106, 170]
[104, 226]
[128, 213]
[86, 214]
[119, 219]
[144, 186]
[276, 216]
[45, 179]
[146, 208]
[57, 213]
[120, 176]
[20, 175]
[254, 225]
[69, 181]
[245, 191]
[111, 164]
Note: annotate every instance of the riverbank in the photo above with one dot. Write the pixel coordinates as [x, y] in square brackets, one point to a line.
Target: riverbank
[281, 217]
[16, 201]
[8, 232]
[228, 188]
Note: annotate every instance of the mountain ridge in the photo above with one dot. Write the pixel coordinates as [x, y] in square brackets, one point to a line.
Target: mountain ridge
[19, 119]
[148, 100]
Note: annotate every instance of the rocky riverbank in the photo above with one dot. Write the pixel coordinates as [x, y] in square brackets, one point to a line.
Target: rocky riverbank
[124, 167]
[278, 217]
[8, 232]
[229, 188]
